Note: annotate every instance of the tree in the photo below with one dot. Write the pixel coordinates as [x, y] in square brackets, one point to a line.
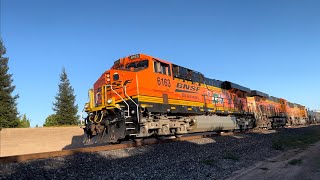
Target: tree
[8, 106]
[65, 108]
[51, 120]
[24, 122]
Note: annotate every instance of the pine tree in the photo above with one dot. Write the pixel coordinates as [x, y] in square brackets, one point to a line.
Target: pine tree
[64, 107]
[51, 120]
[24, 122]
[8, 105]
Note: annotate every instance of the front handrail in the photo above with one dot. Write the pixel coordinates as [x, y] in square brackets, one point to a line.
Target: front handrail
[81, 119]
[128, 108]
[125, 92]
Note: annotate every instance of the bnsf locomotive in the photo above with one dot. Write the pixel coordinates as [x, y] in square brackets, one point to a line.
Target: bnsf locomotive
[142, 96]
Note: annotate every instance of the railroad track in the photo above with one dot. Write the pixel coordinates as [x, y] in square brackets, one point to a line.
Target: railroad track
[52, 154]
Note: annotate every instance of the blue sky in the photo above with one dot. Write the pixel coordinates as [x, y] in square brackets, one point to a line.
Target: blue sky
[272, 46]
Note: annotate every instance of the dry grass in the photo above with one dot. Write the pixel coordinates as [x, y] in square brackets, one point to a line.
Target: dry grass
[293, 141]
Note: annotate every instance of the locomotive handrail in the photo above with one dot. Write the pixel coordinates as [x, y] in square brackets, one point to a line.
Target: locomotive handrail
[81, 119]
[125, 92]
[96, 102]
[121, 99]
[106, 94]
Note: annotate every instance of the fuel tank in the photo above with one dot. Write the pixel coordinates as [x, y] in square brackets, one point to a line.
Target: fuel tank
[213, 123]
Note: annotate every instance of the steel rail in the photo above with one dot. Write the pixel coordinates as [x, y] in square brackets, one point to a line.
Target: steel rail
[52, 154]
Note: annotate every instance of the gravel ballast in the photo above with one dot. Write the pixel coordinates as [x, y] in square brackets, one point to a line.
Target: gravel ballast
[207, 158]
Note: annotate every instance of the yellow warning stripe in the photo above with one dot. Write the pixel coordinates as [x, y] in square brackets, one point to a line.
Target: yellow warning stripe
[213, 88]
[146, 105]
[151, 99]
[127, 99]
[185, 103]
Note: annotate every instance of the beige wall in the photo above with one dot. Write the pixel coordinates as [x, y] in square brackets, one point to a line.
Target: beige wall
[16, 141]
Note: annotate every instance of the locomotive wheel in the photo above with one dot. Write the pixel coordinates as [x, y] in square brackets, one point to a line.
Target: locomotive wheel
[116, 142]
[138, 140]
[100, 136]
[178, 135]
[159, 137]
[87, 137]
[116, 132]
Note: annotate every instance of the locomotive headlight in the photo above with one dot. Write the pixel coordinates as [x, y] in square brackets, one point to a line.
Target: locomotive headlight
[109, 101]
[86, 105]
[132, 112]
[108, 79]
[108, 75]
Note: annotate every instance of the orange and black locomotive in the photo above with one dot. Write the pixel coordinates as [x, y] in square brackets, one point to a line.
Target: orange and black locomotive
[142, 96]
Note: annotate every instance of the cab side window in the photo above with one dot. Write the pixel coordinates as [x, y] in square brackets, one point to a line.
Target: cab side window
[162, 68]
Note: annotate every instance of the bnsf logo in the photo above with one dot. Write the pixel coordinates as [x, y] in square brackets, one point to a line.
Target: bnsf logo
[188, 87]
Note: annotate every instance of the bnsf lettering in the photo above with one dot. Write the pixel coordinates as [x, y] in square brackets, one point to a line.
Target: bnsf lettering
[188, 87]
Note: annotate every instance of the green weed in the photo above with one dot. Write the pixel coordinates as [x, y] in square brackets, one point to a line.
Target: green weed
[209, 162]
[295, 162]
[231, 156]
[293, 141]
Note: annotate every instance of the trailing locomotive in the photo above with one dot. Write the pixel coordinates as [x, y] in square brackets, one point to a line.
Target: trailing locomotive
[314, 117]
[142, 96]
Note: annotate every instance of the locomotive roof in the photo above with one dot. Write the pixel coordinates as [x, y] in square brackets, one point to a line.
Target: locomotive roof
[258, 93]
[230, 85]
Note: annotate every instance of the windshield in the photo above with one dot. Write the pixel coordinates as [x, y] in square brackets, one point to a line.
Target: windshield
[137, 66]
[140, 64]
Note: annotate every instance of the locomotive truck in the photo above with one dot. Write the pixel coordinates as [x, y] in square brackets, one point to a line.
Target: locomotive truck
[142, 96]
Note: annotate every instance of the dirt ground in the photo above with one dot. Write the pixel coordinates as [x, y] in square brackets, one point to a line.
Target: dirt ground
[294, 164]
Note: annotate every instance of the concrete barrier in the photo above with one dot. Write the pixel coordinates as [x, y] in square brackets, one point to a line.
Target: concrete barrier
[16, 141]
